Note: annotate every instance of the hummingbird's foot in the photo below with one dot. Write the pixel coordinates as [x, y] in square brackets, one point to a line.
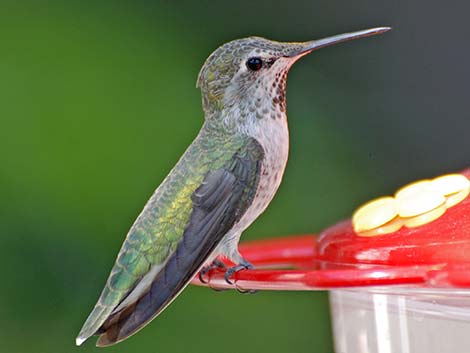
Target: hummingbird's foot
[245, 265]
[206, 269]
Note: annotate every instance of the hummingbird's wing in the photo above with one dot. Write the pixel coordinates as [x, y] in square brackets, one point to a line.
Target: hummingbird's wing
[217, 204]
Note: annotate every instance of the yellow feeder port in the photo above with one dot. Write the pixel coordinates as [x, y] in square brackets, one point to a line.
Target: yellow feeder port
[390, 227]
[456, 198]
[412, 188]
[428, 217]
[414, 204]
[418, 198]
[374, 214]
[455, 187]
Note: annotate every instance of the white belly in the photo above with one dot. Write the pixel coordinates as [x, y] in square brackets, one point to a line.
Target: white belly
[273, 135]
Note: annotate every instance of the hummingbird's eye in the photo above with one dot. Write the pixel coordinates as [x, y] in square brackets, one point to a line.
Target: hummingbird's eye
[254, 64]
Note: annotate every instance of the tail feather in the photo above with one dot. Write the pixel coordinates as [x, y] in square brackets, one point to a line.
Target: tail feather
[94, 321]
[169, 282]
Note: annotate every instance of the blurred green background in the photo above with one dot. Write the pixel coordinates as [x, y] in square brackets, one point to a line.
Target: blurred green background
[98, 101]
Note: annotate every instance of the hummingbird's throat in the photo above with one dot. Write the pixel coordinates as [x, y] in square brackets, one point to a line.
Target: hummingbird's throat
[270, 93]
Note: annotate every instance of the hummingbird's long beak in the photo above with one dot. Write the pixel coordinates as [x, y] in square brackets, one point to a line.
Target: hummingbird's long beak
[312, 45]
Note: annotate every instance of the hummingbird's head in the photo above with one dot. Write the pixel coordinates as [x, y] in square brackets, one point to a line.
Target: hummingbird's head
[251, 72]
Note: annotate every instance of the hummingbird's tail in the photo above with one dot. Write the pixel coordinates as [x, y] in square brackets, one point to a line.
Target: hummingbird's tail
[117, 323]
[93, 322]
[181, 267]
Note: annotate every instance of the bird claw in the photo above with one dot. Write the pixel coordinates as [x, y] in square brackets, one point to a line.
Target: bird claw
[228, 273]
[206, 269]
[232, 270]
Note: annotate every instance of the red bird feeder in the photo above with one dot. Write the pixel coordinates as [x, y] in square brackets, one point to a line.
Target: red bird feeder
[404, 291]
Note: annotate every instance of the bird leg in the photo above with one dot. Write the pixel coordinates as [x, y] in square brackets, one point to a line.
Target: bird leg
[212, 266]
[242, 265]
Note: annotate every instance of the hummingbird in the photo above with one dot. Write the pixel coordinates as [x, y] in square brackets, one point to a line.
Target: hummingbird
[222, 183]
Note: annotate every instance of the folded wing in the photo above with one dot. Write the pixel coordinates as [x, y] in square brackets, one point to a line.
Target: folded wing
[217, 204]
